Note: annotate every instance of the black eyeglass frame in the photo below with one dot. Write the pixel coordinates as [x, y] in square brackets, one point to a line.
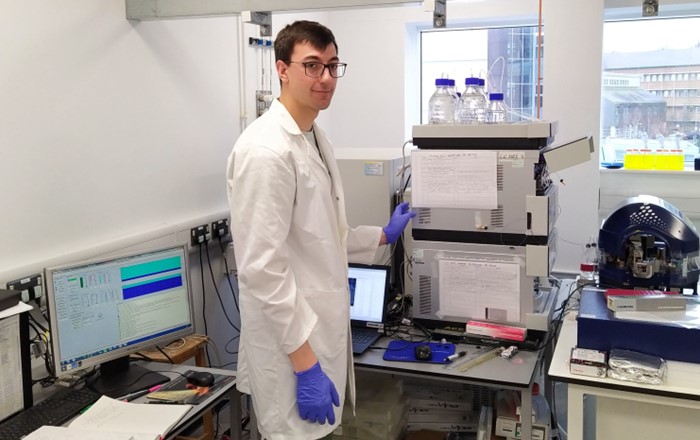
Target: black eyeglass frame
[328, 66]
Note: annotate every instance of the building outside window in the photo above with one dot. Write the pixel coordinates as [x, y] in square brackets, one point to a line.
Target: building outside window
[650, 87]
[511, 52]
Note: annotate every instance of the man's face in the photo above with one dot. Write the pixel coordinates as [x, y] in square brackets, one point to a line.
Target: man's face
[308, 92]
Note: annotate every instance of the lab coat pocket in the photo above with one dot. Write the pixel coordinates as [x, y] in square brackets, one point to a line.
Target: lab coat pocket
[329, 338]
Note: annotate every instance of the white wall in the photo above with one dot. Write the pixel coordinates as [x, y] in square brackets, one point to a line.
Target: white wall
[114, 134]
[108, 128]
[572, 74]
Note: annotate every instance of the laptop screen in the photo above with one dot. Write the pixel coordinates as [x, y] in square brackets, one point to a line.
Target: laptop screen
[369, 286]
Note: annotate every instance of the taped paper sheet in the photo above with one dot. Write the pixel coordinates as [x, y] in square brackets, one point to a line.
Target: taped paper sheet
[454, 179]
[479, 290]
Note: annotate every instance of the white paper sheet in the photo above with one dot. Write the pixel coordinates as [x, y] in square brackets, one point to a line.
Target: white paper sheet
[15, 310]
[62, 433]
[110, 415]
[11, 392]
[478, 289]
[454, 179]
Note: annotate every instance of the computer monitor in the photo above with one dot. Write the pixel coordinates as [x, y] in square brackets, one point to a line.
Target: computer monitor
[103, 310]
[369, 294]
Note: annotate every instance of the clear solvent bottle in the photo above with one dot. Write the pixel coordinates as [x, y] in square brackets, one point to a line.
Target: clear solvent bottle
[496, 113]
[441, 107]
[540, 407]
[472, 105]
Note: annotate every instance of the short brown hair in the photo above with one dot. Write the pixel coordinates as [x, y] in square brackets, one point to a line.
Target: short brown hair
[302, 31]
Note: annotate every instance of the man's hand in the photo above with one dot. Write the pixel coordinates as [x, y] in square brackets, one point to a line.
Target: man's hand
[397, 223]
[316, 396]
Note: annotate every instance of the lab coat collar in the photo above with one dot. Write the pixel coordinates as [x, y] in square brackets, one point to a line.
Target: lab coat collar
[286, 120]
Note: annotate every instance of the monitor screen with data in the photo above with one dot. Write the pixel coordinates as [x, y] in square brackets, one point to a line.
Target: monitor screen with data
[106, 309]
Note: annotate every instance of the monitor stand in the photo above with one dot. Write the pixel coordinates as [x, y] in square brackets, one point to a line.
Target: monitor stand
[118, 378]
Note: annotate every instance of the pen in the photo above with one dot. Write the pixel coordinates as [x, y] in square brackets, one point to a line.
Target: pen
[133, 396]
[452, 357]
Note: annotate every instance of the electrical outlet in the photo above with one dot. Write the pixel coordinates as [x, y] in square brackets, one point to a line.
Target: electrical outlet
[30, 287]
[263, 100]
[199, 234]
[219, 228]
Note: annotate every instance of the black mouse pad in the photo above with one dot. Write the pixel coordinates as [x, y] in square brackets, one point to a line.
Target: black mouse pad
[405, 351]
[180, 384]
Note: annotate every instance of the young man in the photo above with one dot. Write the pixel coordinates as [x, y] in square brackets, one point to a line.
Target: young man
[292, 246]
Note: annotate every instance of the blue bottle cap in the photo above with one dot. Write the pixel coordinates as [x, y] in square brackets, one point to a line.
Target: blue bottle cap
[482, 82]
[471, 81]
[442, 82]
[495, 96]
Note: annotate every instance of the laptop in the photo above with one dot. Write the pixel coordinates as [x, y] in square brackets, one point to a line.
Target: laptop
[369, 295]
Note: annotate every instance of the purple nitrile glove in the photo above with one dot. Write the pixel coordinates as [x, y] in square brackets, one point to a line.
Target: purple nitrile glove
[397, 223]
[316, 396]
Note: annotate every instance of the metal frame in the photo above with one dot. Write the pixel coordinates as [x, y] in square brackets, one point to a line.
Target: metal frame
[169, 9]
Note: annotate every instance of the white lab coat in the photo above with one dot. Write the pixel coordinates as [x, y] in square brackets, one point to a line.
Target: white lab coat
[292, 246]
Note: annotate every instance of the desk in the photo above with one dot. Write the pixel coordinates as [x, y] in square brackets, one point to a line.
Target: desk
[198, 410]
[517, 373]
[628, 409]
[193, 347]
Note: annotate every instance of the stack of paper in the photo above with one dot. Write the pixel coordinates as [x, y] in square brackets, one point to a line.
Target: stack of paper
[110, 419]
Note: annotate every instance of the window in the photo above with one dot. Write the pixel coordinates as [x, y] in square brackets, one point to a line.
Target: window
[637, 114]
[510, 53]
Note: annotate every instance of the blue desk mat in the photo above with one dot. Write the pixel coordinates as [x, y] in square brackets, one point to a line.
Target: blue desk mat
[404, 351]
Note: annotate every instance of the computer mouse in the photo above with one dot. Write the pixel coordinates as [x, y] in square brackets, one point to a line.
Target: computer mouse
[200, 379]
[423, 352]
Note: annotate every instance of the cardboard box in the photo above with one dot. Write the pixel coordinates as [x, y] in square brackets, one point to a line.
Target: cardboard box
[451, 417]
[508, 427]
[425, 435]
[598, 329]
[498, 331]
[442, 426]
[586, 362]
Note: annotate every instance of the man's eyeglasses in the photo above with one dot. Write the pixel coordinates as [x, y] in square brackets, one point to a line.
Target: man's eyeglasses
[315, 69]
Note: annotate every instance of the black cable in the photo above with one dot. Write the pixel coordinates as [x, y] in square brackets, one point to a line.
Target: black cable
[218, 294]
[230, 363]
[142, 356]
[406, 185]
[36, 331]
[165, 354]
[38, 324]
[228, 275]
[229, 341]
[48, 355]
[204, 303]
[555, 325]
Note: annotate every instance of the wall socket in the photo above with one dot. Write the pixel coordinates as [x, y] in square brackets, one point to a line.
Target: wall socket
[199, 235]
[219, 228]
[31, 287]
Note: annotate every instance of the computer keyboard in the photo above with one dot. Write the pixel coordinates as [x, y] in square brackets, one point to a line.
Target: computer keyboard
[56, 410]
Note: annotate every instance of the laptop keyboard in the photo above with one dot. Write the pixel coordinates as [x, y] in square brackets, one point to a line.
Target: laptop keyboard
[363, 336]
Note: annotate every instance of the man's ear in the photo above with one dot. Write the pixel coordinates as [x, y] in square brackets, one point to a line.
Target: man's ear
[282, 67]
